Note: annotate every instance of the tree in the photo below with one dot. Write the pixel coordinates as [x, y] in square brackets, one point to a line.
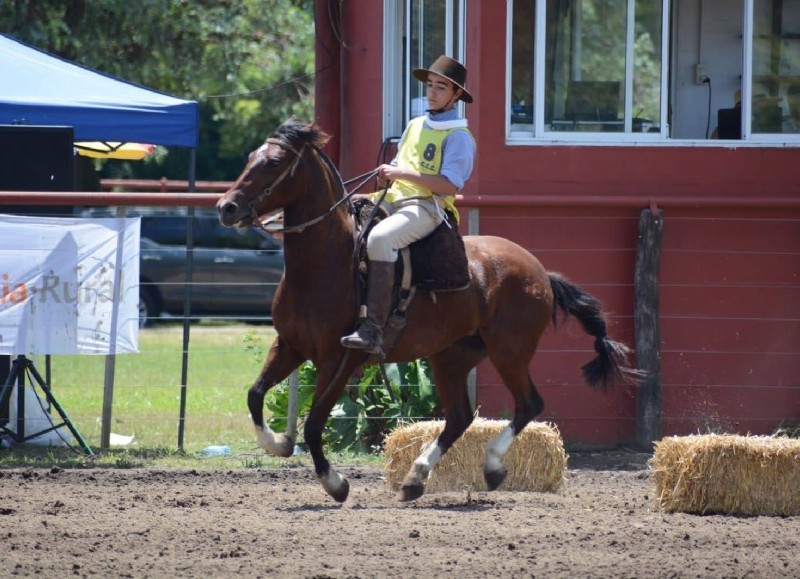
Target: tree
[249, 68]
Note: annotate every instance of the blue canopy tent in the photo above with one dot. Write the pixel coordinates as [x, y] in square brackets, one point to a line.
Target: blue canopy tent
[41, 89]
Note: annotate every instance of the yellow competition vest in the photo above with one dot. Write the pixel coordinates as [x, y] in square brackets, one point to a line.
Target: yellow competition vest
[421, 151]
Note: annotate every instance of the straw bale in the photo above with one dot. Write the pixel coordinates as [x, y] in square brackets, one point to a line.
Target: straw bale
[731, 474]
[536, 460]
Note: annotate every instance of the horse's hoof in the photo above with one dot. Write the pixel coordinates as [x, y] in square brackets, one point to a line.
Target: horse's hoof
[494, 478]
[284, 447]
[336, 486]
[340, 495]
[410, 492]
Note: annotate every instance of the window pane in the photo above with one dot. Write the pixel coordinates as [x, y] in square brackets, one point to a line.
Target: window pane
[647, 67]
[585, 65]
[522, 65]
[428, 28]
[775, 104]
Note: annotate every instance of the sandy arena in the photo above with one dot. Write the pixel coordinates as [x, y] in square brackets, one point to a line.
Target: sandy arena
[148, 523]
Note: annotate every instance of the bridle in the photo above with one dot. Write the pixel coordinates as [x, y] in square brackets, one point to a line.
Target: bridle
[289, 171]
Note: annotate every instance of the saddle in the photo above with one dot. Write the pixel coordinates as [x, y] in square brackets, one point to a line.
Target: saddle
[435, 263]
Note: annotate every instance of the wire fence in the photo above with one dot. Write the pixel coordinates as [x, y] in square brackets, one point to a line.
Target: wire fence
[728, 365]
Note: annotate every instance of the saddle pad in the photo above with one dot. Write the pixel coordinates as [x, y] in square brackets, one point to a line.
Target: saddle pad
[438, 261]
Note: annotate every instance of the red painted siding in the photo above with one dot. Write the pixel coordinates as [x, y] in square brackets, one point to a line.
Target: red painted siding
[730, 276]
[730, 313]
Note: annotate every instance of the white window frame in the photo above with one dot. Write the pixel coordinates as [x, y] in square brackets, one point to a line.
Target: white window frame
[540, 135]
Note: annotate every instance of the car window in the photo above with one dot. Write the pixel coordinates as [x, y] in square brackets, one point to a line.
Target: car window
[232, 238]
[208, 233]
[165, 230]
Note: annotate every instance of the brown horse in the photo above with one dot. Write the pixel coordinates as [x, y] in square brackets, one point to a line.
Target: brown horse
[509, 303]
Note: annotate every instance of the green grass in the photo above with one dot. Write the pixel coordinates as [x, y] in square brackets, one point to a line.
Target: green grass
[27, 456]
[223, 362]
[147, 387]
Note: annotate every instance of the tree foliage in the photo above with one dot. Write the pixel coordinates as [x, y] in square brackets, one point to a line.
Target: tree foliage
[249, 64]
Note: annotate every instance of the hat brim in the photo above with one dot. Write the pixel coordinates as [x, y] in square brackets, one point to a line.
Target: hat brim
[421, 74]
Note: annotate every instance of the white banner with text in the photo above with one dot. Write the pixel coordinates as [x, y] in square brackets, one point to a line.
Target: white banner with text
[69, 285]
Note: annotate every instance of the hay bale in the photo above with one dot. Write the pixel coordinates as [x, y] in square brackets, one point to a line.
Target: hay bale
[536, 460]
[731, 474]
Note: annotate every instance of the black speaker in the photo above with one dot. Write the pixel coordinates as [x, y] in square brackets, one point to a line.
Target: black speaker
[36, 159]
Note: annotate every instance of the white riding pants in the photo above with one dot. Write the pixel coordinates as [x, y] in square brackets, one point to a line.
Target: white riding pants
[409, 222]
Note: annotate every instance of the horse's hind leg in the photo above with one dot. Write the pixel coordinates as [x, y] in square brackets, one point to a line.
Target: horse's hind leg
[450, 370]
[527, 405]
[280, 362]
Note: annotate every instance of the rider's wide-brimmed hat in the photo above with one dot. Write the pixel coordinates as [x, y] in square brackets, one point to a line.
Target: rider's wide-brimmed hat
[450, 69]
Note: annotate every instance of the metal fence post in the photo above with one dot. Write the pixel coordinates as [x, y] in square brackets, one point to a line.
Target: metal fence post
[294, 404]
[111, 358]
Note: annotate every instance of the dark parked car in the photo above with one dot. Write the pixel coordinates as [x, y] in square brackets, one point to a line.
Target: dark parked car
[234, 273]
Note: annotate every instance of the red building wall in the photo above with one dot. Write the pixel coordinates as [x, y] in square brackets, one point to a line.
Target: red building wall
[730, 293]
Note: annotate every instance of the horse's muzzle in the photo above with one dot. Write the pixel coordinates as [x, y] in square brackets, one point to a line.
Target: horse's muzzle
[230, 213]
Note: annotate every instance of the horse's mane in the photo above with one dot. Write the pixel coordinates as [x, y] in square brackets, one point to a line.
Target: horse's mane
[296, 132]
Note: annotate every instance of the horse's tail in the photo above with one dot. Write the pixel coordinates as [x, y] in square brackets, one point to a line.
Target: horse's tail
[611, 361]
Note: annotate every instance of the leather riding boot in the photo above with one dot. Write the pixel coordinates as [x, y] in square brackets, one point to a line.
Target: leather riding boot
[369, 335]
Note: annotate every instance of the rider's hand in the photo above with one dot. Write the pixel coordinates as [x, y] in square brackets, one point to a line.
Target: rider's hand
[387, 174]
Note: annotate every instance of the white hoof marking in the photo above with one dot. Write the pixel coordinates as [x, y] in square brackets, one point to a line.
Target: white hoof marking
[497, 449]
[269, 441]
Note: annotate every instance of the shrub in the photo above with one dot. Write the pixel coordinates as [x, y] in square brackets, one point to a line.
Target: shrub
[366, 411]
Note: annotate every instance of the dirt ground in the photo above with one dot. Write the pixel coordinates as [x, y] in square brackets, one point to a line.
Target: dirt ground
[280, 523]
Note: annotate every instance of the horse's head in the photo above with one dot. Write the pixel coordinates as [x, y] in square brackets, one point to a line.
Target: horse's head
[265, 185]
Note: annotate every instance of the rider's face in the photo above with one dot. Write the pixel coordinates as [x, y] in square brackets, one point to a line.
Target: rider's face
[441, 93]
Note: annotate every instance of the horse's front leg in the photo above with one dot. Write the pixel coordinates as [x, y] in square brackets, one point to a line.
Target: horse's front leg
[331, 380]
[280, 362]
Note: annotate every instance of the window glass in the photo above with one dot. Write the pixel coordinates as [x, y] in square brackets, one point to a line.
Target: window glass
[775, 103]
[522, 64]
[427, 38]
[430, 31]
[585, 65]
[587, 73]
[416, 32]
[602, 66]
[647, 67]
[615, 70]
